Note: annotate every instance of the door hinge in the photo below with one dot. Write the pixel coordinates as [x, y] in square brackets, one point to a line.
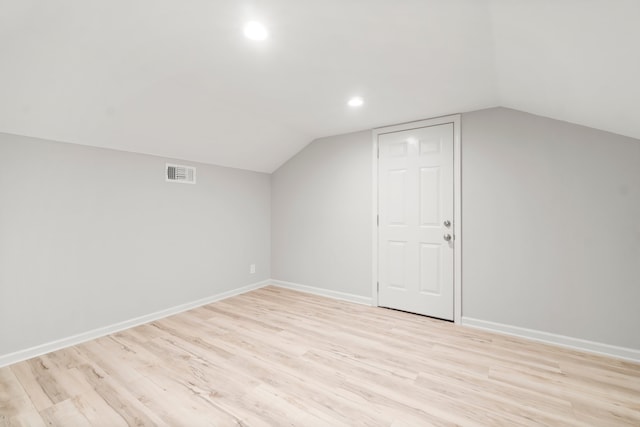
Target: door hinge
[378, 220]
[378, 286]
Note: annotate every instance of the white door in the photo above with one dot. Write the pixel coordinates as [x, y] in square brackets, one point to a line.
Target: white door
[416, 230]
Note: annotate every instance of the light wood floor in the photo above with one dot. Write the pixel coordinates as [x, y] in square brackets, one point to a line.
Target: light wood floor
[276, 357]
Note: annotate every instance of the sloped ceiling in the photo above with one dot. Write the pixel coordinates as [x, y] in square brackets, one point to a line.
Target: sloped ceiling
[177, 78]
[573, 60]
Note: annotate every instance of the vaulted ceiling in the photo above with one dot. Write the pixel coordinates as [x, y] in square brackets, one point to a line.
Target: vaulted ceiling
[177, 78]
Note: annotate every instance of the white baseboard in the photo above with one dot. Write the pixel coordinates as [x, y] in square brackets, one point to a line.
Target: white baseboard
[546, 337]
[323, 292]
[561, 340]
[39, 350]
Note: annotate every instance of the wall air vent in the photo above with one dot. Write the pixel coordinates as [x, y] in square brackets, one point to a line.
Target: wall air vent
[180, 173]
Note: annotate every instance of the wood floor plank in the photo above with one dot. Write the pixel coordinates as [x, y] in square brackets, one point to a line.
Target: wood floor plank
[16, 407]
[119, 398]
[176, 405]
[64, 413]
[97, 411]
[276, 357]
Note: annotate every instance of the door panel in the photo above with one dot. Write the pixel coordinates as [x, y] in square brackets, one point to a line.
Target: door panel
[415, 178]
[397, 255]
[430, 264]
[397, 180]
[429, 196]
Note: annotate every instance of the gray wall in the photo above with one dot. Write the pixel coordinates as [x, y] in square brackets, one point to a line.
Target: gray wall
[551, 226]
[90, 237]
[321, 215]
[551, 223]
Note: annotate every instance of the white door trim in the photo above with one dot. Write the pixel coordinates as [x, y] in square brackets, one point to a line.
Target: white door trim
[457, 205]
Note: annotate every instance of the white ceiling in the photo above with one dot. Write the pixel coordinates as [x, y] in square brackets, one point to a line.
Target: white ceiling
[178, 79]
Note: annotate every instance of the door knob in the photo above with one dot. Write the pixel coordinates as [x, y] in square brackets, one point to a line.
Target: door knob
[447, 223]
[447, 237]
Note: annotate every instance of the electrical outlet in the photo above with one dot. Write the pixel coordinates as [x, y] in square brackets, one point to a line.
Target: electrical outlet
[252, 269]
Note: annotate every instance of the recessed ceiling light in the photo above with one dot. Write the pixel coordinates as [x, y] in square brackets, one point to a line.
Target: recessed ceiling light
[356, 101]
[255, 31]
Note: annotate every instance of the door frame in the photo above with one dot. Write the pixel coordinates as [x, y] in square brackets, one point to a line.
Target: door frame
[457, 204]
